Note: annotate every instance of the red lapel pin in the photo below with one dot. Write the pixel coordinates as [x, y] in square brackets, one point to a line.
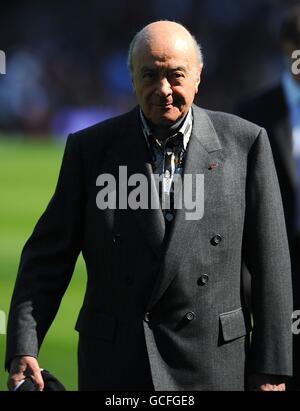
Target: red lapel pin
[212, 166]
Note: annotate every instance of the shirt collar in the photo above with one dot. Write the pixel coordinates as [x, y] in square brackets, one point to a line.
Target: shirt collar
[185, 129]
[291, 90]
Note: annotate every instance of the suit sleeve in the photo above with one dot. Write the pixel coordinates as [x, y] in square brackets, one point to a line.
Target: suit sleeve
[267, 256]
[48, 260]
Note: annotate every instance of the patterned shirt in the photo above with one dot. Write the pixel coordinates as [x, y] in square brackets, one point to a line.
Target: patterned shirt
[168, 157]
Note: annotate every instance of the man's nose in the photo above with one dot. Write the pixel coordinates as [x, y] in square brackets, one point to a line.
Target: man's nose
[164, 88]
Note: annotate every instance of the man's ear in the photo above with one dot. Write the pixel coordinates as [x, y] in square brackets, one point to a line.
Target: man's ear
[198, 79]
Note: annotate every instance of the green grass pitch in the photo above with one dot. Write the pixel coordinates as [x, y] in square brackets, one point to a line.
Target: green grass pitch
[28, 174]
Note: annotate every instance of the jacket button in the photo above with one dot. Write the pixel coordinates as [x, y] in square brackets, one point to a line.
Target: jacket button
[216, 239]
[147, 317]
[190, 316]
[116, 239]
[203, 279]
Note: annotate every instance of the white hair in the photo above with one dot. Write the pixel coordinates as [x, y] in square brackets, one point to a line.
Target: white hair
[143, 35]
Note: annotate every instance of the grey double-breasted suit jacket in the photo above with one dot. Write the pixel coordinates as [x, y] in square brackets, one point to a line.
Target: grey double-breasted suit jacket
[160, 313]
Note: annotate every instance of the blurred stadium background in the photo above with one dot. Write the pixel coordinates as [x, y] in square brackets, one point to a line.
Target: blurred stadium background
[66, 69]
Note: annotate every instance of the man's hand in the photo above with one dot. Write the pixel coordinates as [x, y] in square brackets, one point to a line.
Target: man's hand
[264, 382]
[272, 387]
[22, 367]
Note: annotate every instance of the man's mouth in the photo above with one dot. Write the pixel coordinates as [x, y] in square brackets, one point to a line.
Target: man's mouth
[165, 105]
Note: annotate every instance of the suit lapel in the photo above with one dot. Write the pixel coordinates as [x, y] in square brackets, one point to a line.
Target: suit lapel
[204, 156]
[134, 153]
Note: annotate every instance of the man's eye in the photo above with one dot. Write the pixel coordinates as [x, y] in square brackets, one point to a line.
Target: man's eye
[178, 75]
[148, 76]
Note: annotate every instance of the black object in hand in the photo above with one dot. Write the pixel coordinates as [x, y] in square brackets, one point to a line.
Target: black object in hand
[51, 383]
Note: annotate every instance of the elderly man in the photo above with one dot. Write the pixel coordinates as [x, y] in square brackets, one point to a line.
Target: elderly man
[164, 306]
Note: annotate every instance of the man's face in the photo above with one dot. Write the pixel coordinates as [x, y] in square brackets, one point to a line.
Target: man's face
[165, 78]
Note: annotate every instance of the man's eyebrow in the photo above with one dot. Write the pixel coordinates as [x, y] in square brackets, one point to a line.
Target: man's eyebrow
[147, 68]
[179, 68]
